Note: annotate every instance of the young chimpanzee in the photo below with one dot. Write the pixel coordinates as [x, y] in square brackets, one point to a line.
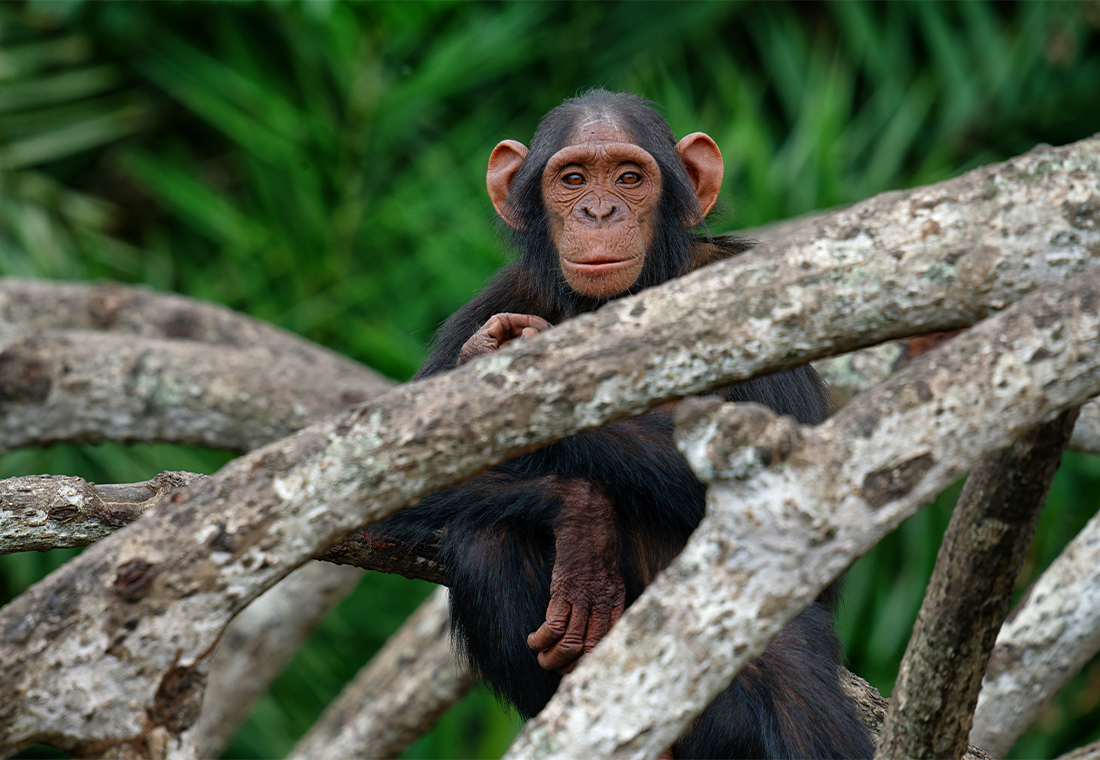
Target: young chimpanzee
[544, 551]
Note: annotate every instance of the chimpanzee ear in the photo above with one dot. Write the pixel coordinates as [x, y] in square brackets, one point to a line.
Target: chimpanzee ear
[704, 167]
[505, 160]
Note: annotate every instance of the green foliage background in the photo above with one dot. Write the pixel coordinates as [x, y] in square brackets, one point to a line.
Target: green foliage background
[320, 165]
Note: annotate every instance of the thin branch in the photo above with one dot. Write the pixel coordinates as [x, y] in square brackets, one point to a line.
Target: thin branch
[790, 508]
[1048, 638]
[258, 644]
[397, 697]
[173, 579]
[932, 705]
[43, 512]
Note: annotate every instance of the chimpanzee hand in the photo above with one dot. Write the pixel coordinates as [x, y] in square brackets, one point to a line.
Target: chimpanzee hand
[587, 593]
[498, 331]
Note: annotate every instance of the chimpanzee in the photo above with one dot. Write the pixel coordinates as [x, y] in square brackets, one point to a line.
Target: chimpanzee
[544, 551]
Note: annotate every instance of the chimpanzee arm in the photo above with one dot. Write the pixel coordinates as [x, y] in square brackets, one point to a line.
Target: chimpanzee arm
[587, 591]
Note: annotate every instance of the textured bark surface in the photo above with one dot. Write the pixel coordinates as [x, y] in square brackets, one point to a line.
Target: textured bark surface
[390, 704]
[259, 643]
[124, 632]
[28, 306]
[932, 705]
[857, 371]
[872, 708]
[790, 508]
[1088, 752]
[43, 512]
[1047, 639]
[79, 385]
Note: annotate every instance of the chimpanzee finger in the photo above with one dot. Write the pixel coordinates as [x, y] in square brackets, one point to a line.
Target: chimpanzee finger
[551, 631]
[571, 645]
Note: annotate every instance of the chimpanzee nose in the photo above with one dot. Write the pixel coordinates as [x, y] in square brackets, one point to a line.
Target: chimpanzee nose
[599, 209]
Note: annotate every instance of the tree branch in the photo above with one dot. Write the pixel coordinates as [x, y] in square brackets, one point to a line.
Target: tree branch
[932, 706]
[43, 512]
[790, 508]
[258, 644]
[855, 372]
[390, 704]
[30, 306]
[88, 386]
[173, 579]
[1049, 636]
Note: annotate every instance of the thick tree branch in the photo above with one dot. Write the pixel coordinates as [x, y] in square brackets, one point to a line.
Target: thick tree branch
[855, 372]
[390, 704]
[1048, 638]
[87, 386]
[1088, 752]
[31, 306]
[932, 705]
[872, 708]
[173, 578]
[790, 508]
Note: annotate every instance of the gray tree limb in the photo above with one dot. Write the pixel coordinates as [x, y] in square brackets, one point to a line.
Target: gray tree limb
[932, 705]
[790, 508]
[1048, 638]
[855, 372]
[172, 581]
[389, 704]
[43, 512]
[79, 385]
[1088, 752]
[259, 643]
[31, 306]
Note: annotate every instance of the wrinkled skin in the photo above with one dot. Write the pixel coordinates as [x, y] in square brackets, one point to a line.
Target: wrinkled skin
[500, 330]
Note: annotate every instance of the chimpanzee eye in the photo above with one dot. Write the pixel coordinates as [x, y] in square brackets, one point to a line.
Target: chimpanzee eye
[573, 178]
[630, 178]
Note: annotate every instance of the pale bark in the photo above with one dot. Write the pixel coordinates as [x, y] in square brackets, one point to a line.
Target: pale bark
[1047, 639]
[790, 508]
[43, 512]
[29, 306]
[1088, 752]
[904, 263]
[932, 705]
[258, 644]
[77, 385]
[397, 697]
[855, 372]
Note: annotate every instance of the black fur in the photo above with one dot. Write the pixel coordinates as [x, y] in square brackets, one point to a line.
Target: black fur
[498, 545]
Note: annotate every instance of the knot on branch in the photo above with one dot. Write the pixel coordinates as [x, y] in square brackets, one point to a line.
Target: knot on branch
[725, 441]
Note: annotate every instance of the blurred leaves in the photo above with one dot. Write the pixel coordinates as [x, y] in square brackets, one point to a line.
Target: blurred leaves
[321, 165]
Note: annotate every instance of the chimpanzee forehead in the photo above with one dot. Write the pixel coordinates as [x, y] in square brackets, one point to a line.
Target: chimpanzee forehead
[597, 127]
[598, 152]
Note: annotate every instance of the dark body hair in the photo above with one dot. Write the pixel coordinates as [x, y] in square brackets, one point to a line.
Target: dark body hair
[498, 546]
